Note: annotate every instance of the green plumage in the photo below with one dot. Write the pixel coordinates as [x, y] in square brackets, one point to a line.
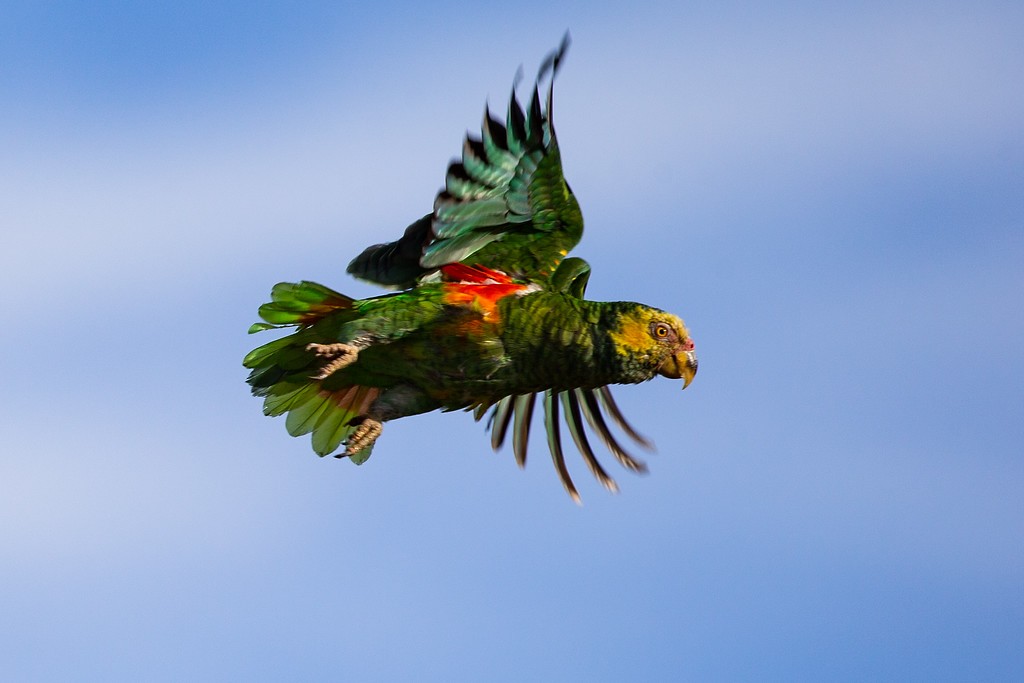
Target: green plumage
[505, 205]
[493, 315]
[449, 352]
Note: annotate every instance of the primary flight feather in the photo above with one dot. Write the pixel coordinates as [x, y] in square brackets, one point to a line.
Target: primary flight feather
[491, 316]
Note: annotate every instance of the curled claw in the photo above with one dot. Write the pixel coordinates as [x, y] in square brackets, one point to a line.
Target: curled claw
[363, 436]
[337, 356]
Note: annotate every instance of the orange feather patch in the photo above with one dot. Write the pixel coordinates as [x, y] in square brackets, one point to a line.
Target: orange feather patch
[478, 287]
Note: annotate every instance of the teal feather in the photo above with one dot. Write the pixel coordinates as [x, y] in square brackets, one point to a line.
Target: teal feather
[500, 419]
[455, 249]
[592, 413]
[574, 422]
[521, 432]
[553, 428]
[505, 204]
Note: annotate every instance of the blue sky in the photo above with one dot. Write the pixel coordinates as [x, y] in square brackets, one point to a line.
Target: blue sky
[831, 198]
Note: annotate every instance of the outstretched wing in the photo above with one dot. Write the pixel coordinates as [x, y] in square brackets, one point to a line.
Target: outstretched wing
[505, 204]
[577, 406]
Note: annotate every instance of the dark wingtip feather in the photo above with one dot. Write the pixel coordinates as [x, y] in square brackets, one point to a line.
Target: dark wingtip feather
[521, 432]
[516, 127]
[551, 63]
[501, 417]
[554, 60]
[570, 403]
[518, 78]
[395, 264]
[553, 429]
[535, 120]
[592, 412]
[495, 129]
[609, 404]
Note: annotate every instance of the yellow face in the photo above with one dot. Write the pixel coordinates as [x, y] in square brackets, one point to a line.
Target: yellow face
[659, 338]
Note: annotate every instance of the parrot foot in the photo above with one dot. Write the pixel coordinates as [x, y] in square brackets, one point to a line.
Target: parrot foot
[337, 356]
[363, 436]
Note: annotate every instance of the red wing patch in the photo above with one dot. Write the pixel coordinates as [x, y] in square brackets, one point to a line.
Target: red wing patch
[479, 287]
[478, 275]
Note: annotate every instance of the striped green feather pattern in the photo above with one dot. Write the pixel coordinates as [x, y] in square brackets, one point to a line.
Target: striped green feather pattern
[492, 315]
[505, 204]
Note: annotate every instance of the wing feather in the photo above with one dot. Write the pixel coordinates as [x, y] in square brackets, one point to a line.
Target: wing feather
[574, 421]
[505, 203]
[553, 428]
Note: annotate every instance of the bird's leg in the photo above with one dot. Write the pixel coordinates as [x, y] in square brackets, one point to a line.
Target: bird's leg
[363, 436]
[337, 356]
[401, 400]
[398, 401]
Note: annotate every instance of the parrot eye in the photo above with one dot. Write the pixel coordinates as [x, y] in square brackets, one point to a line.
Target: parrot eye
[661, 330]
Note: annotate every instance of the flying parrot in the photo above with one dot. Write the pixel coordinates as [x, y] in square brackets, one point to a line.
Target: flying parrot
[491, 315]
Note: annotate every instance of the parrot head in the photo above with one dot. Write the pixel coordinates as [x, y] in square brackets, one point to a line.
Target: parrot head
[682, 359]
[656, 341]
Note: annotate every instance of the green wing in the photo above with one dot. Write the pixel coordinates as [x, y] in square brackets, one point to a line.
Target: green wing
[505, 204]
[577, 406]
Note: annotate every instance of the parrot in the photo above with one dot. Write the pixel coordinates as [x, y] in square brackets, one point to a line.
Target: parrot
[489, 314]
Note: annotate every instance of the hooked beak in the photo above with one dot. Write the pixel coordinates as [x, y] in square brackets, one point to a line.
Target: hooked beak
[680, 365]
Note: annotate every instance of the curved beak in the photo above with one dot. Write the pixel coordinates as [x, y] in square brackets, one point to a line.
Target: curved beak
[680, 365]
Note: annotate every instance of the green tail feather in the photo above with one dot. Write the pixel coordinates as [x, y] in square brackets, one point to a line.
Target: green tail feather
[282, 371]
[299, 303]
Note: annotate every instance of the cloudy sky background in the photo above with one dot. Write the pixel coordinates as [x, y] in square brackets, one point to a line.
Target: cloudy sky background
[832, 199]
